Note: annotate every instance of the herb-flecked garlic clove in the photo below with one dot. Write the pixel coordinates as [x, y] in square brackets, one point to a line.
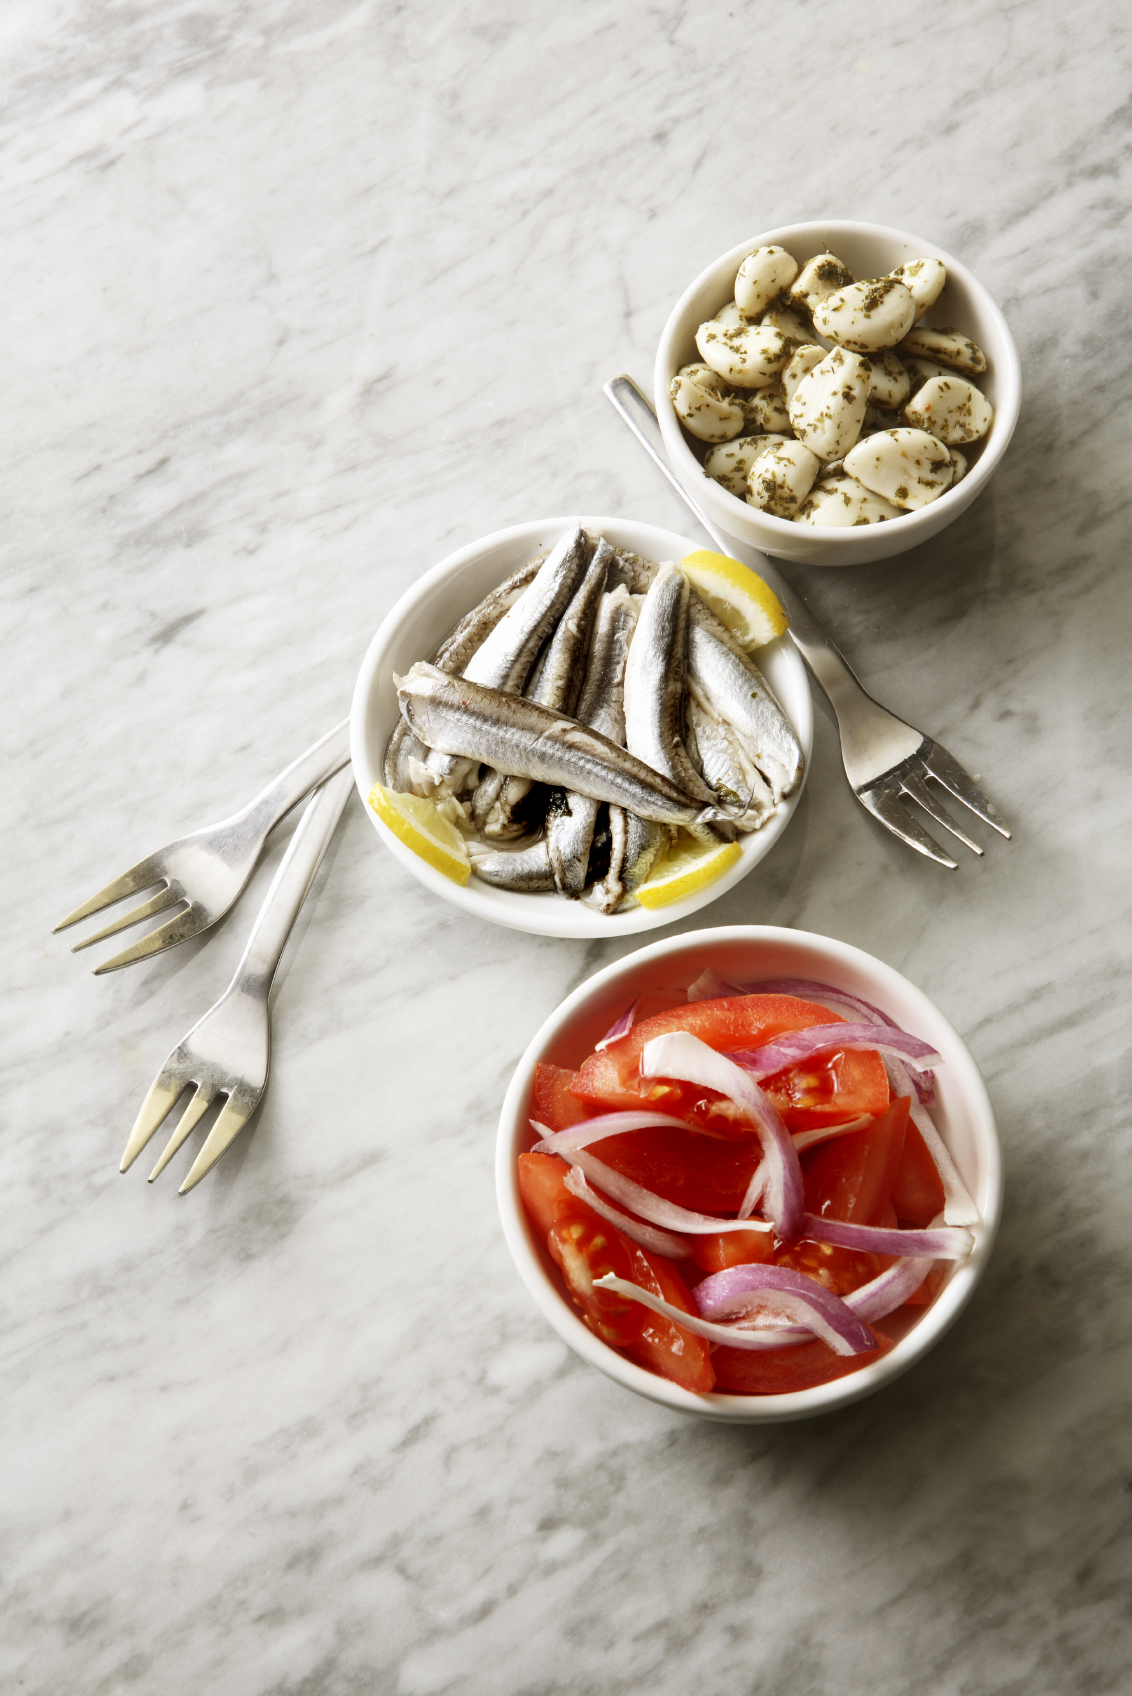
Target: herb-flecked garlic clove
[919, 371]
[952, 409]
[781, 318]
[799, 365]
[748, 358]
[762, 275]
[780, 480]
[702, 410]
[828, 407]
[841, 503]
[947, 347]
[820, 276]
[958, 466]
[866, 316]
[729, 317]
[731, 462]
[907, 467]
[924, 279]
[765, 409]
[889, 384]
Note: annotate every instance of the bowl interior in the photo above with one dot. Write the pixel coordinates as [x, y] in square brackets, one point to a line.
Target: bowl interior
[962, 1113]
[413, 630]
[869, 250]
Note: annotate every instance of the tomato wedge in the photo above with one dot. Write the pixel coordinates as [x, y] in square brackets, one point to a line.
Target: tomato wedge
[851, 1178]
[663, 1346]
[823, 1091]
[917, 1193]
[585, 1247]
[775, 1372]
[554, 1104]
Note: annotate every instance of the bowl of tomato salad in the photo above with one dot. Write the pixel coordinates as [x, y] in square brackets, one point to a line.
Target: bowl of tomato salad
[749, 1173]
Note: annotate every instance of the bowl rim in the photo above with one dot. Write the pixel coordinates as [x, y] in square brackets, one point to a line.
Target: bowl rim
[1007, 374]
[720, 1406]
[550, 916]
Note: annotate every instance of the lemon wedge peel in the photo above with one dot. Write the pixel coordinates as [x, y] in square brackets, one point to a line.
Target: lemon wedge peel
[685, 871]
[736, 594]
[417, 823]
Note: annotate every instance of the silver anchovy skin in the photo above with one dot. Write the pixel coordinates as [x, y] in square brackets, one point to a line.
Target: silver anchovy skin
[728, 684]
[468, 721]
[602, 707]
[453, 654]
[654, 683]
[719, 754]
[632, 570]
[526, 869]
[559, 680]
[504, 660]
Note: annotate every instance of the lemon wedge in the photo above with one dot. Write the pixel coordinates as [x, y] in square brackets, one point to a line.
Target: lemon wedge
[686, 867]
[421, 826]
[750, 610]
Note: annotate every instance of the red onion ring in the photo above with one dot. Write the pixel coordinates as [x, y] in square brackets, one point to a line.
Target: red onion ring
[657, 1242]
[793, 1047]
[621, 1027]
[595, 1130]
[942, 1242]
[645, 1203]
[809, 1309]
[682, 1056]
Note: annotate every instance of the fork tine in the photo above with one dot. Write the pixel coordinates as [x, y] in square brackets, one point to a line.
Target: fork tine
[947, 771]
[163, 1094]
[914, 786]
[891, 813]
[138, 877]
[223, 1134]
[156, 904]
[190, 1118]
[183, 925]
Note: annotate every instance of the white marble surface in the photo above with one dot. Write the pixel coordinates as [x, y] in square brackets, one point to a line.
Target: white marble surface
[297, 297]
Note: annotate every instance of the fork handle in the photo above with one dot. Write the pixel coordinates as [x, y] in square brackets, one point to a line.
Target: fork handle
[292, 883]
[861, 721]
[263, 812]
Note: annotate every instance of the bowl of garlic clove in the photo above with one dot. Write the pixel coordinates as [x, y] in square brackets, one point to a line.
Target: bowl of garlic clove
[835, 393]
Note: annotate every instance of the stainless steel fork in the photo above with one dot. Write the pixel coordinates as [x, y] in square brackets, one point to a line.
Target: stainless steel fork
[886, 760]
[208, 869]
[228, 1051]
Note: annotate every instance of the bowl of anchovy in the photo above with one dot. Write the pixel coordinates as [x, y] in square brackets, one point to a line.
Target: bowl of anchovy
[582, 727]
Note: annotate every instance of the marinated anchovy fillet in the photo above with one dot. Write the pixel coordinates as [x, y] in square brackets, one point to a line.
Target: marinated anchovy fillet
[525, 869]
[468, 721]
[560, 678]
[504, 660]
[403, 753]
[654, 683]
[729, 686]
[570, 826]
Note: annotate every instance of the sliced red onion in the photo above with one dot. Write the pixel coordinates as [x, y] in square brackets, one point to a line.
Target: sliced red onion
[621, 1028]
[709, 986]
[826, 1133]
[851, 1006]
[890, 1291]
[941, 1243]
[657, 1242]
[811, 1310]
[729, 1295]
[595, 1130]
[755, 1190]
[649, 1206]
[683, 1056]
[806, 989]
[959, 1208]
[792, 1047]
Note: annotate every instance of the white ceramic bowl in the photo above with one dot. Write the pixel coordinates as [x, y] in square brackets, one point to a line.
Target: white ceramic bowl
[414, 629]
[963, 1115]
[869, 250]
